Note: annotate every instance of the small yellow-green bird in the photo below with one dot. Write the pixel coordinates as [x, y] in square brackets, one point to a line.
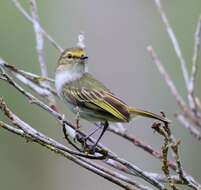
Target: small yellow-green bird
[96, 103]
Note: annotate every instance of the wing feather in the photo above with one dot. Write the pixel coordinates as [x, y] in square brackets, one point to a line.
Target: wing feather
[100, 100]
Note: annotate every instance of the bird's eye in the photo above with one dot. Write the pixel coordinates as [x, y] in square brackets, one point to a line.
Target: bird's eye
[69, 56]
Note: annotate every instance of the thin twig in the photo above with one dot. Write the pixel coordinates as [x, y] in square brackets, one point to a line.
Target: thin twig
[138, 143]
[120, 176]
[188, 112]
[195, 62]
[167, 78]
[31, 80]
[174, 42]
[29, 18]
[196, 51]
[34, 100]
[170, 141]
[2, 78]
[185, 123]
[158, 177]
[138, 172]
[40, 50]
[39, 38]
[198, 102]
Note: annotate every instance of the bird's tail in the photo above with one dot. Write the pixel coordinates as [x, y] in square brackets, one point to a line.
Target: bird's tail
[135, 112]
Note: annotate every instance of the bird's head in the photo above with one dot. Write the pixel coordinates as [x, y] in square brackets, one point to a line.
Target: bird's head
[71, 66]
[73, 56]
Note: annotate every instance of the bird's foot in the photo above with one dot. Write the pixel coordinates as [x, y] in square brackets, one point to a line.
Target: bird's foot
[87, 148]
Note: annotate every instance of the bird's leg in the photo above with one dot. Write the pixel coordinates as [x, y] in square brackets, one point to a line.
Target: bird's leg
[77, 118]
[98, 126]
[84, 139]
[103, 152]
[105, 126]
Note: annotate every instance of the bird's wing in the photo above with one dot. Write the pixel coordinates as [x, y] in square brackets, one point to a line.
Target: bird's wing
[98, 100]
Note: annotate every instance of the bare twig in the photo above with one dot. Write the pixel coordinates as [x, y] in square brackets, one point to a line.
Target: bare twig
[2, 78]
[165, 166]
[29, 18]
[195, 62]
[159, 177]
[31, 80]
[174, 145]
[188, 112]
[189, 81]
[139, 143]
[174, 42]
[122, 177]
[198, 102]
[34, 100]
[185, 123]
[138, 172]
[39, 38]
[167, 78]
[80, 42]
[40, 50]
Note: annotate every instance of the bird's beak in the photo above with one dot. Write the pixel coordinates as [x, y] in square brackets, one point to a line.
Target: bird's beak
[84, 58]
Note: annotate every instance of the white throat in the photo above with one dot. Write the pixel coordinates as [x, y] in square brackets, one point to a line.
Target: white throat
[66, 74]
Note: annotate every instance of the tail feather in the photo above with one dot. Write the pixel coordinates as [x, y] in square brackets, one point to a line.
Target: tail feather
[135, 112]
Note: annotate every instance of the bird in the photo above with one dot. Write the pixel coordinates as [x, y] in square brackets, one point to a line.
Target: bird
[83, 93]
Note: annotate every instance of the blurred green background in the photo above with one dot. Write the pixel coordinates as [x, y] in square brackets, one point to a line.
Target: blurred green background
[117, 33]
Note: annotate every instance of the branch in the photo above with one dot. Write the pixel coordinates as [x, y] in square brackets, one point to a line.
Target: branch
[31, 80]
[195, 132]
[174, 41]
[40, 50]
[187, 112]
[29, 18]
[167, 78]
[192, 112]
[170, 142]
[39, 38]
[140, 144]
[195, 62]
